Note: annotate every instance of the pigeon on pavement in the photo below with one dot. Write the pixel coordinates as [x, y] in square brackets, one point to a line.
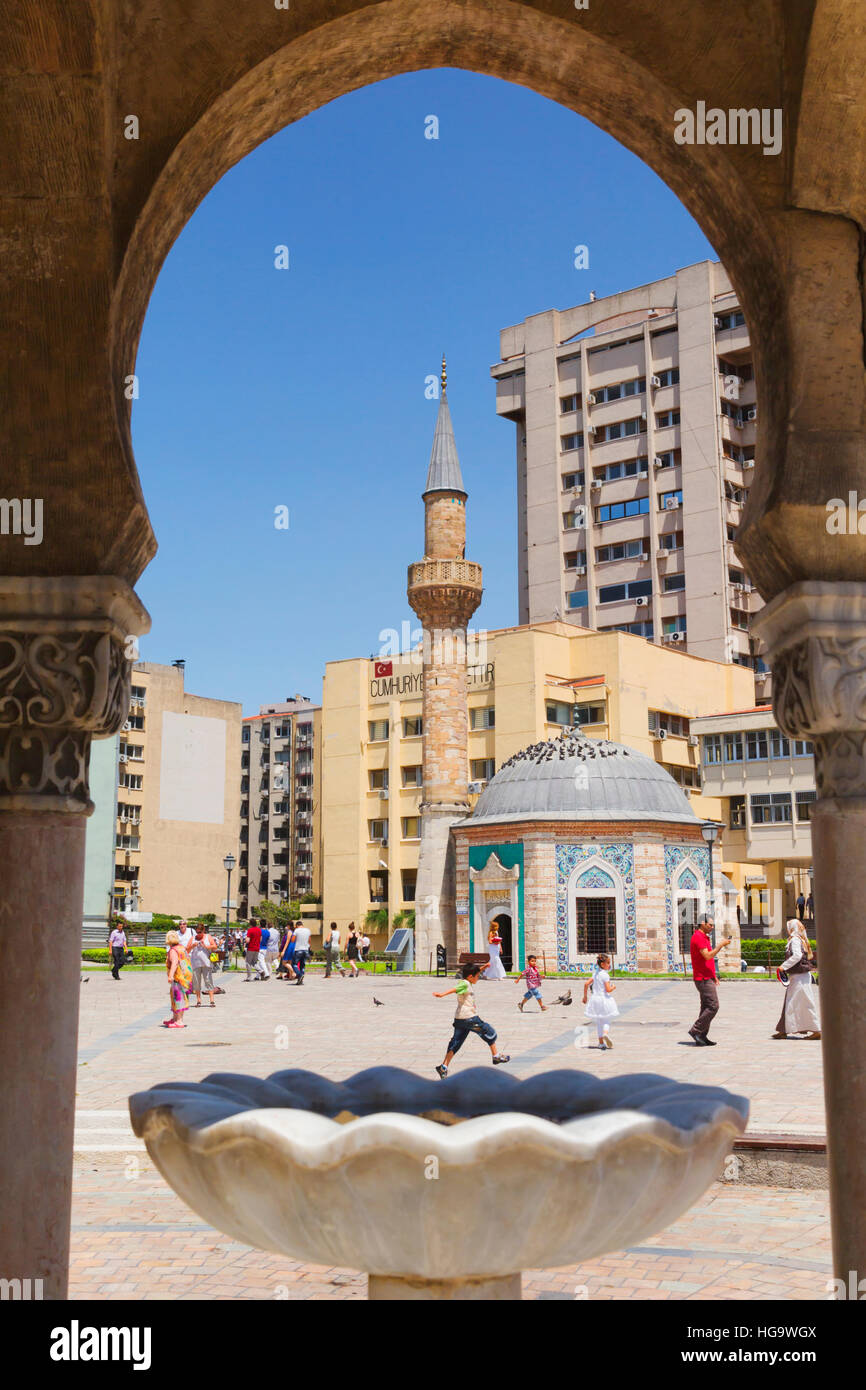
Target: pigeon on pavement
[564, 998]
[378, 1002]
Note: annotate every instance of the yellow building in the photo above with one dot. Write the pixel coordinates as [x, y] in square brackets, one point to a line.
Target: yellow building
[178, 796]
[525, 684]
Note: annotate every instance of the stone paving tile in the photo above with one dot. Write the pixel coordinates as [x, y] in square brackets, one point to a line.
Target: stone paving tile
[133, 1238]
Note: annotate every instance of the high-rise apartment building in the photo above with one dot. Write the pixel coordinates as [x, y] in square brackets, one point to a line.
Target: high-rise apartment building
[280, 776]
[178, 801]
[636, 426]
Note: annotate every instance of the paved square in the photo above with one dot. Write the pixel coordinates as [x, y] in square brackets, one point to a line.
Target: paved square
[132, 1237]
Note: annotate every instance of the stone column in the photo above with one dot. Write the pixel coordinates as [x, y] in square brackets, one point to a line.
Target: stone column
[65, 649]
[815, 633]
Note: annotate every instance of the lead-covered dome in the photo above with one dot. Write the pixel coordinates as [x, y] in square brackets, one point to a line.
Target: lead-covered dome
[574, 778]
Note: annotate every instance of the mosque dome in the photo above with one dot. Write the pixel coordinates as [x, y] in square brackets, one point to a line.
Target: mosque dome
[573, 778]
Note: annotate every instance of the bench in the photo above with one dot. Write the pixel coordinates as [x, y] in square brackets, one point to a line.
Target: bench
[481, 958]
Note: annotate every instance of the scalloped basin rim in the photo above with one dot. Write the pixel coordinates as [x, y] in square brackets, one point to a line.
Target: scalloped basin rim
[312, 1140]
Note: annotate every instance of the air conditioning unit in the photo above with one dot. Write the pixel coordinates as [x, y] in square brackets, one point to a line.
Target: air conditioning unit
[383, 795]
[678, 637]
[642, 602]
[655, 381]
[590, 400]
[596, 484]
[748, 463]
[580, 569]
[643, 473]
[671, 503]
[662, 554]
[658, 461]
[121, 758]
[693, 740]
[384, 841]
[134, 884]
[643, 415]
[717, 323]
[593, 429]
[751, 414]
[475, 787]
[127, 726]
[659, 733]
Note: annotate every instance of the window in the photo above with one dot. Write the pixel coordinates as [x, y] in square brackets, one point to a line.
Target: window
[771, 808]
[674, 624]
[578, 598]
[588, 714]
[666, 419]
[804, 804]
[734, 319]
[625, 550]
[482, 769]
[674, 582]
[130, 781]
[637, 588]
[412, 776]
[379, 779]
[780, 747]
[378, 730]
[756, 745]
[733, 748]
[803, 748]
[737, 813]
[672, 540]
[596, 926]
[614, 511]
[669, 500]
[571, 441]
[378, 830]
[558, 713]
[642, 629]
[413, 728]
[674, 724]
[573, 521]
[669, 377]
[245, 734]
[409, 878]
[137, 692]
[567, 404]
[623, 429]
[483, 717]
[632, 468]
[712, 749]
[411, 827]
[570, 480]
[621, 389]
[132, 750]
[378, 886]
[734, 493]
[573, 558]
[683, 776]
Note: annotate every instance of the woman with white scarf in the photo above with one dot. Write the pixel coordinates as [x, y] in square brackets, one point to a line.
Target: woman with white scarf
[800, 1009]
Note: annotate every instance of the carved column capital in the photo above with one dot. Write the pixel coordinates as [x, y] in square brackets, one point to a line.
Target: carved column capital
[66, 652]
[815, 637]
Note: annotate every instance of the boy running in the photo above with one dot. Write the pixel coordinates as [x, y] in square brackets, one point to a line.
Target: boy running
[533, 984]
[466, 1019]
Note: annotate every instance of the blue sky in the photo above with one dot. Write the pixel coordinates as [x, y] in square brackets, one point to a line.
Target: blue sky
[305, 387]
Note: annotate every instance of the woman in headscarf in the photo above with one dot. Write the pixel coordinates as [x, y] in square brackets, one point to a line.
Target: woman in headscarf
[800, 1009]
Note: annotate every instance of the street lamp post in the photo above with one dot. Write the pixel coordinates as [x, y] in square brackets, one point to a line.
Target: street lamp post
[710, 831]
[228, 864]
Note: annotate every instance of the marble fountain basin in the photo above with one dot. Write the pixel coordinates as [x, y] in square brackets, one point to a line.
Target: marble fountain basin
[439, 1189]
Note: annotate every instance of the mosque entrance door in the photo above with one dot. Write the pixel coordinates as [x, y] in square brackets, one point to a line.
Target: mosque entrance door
[596, 926]
[503, 926]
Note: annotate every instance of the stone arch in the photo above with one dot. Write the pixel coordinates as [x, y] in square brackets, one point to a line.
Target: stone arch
[563, 60]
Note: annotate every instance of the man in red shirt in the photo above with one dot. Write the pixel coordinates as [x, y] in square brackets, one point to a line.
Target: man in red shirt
[253, 945]
[704, 976]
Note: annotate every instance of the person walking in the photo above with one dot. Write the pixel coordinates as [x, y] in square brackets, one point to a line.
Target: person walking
[532, 975]
[801, 905]
[353, 950]
[495, 970]
[179, 972]
[185, 936]
[264, 968]
[251, 953]
[117, 946]
[466, 1019]
[800, 1007]
[810, 908]
[365, 948]
[302, 950]
[601, 1006]
[202, 966]
[704, 975]
[272, 950]
[332, 951]
[287, 958]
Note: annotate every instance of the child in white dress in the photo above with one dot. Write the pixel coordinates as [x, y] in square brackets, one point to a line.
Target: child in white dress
[601, 1006]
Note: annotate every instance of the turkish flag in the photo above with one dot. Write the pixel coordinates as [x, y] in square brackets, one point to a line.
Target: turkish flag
[383, 668]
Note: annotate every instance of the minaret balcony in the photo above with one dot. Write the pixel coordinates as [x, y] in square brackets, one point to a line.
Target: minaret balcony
[436, 573]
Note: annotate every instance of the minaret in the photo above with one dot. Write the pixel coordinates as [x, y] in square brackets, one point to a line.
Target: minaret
[444, 590]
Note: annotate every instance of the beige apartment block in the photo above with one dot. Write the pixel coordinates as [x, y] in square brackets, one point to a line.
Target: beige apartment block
[178, 800]
[280, 778]
[524, 684]
[636, 428]
[766, 785]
